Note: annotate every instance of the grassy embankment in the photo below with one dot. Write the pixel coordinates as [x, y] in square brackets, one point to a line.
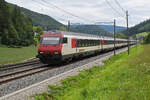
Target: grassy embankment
[13, 55]
[122, 77]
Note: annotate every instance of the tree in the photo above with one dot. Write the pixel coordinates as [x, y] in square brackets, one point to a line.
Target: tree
[147, 39]
[12, 35]
[4, 17]
[38, 32]
[121, 35]
[63, 28]
[5, 37]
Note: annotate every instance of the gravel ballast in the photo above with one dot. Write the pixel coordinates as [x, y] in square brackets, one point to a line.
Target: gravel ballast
[38, 83]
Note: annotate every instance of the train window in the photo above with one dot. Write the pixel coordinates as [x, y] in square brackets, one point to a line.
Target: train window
[87, 43]
[65, 40]
[108, 42]
[78, 43]
[50, 40]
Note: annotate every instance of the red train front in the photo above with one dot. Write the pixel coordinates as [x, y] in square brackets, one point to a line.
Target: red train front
[49, 50]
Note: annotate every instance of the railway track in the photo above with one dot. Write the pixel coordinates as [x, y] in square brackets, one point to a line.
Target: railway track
[13, 72]
[19, 65]
[26, 69]
[21, 74]
[20, 70]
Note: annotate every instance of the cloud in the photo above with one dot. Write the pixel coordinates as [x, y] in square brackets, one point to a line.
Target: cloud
[90, 11]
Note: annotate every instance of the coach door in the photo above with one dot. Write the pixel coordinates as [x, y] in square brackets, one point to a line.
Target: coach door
[74, 45]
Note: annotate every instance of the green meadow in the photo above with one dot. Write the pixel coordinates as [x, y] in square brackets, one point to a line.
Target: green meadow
[13, 55]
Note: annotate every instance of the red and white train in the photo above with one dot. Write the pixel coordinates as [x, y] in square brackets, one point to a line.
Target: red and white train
[58, 46]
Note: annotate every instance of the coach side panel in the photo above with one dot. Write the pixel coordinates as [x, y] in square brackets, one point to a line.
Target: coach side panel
[68, 47]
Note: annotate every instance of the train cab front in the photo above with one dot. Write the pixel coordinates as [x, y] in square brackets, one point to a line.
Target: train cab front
[49, 50]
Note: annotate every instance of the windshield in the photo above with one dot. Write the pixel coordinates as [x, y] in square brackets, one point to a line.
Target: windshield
[50, 40]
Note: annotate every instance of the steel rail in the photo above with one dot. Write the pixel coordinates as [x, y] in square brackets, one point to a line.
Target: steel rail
[18, 65]
[22, 76]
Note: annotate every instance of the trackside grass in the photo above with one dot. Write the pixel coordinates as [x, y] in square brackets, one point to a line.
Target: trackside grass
[13, 55]
[122, 77]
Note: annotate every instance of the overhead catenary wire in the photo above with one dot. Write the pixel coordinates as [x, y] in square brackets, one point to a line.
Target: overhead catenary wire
[114, 9]
[116, 1]
[49, 7]
[65, 11]
[108, 22]
[53, 6]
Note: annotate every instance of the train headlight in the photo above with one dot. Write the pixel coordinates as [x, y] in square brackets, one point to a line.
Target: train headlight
[41, 52]
[55, 52]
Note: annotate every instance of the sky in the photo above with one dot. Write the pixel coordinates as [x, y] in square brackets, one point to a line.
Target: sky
[90, 11]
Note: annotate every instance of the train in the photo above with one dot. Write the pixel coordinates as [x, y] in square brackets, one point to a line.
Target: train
[58, 46]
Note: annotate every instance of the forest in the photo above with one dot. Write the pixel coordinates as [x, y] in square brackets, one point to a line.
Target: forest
[16, 28]
[139, 28]
[45, 21]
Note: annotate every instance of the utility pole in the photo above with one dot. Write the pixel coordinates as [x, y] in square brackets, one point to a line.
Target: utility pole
[68, 26]
[127, 31]
[136, 40]
[114, 37]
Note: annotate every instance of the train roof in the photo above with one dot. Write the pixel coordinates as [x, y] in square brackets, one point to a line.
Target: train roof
[82, 35]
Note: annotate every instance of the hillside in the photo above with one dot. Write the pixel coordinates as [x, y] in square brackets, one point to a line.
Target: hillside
[45, 21]
[110, 28]
[92, 29]
[139, 28]
[15, 27]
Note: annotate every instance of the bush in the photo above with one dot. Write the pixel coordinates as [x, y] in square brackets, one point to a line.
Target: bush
[147, 39]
